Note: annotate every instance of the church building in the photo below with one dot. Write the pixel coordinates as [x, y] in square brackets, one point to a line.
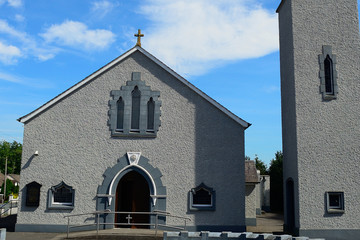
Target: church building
[320, 92]
[134, 136]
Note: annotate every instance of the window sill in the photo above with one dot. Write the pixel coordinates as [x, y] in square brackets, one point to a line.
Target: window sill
[202, 208]
[134, 134]
[60, 207]
[329, 97]
[335, 211]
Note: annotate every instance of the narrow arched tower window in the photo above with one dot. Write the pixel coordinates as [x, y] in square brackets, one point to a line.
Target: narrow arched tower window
[120, 114]
[329, 75]
[135, 109]
[150, 114]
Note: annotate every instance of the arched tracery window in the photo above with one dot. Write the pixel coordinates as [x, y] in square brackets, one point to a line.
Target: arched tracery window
[120, 114]
[150, 114]
[134, 110]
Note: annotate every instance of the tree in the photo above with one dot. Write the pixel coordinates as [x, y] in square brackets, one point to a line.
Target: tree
[260, 165]
[10, 188]
[276, 182]
[11, 151]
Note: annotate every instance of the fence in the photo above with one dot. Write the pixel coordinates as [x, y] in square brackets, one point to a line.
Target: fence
[9, 208]
[129, 215]
[185, 235]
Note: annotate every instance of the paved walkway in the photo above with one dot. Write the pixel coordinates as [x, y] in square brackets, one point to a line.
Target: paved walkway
[61, 236]
[267, 223]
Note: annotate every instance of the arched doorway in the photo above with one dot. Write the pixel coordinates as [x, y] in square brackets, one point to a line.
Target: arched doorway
[132, 195]
[290, 207]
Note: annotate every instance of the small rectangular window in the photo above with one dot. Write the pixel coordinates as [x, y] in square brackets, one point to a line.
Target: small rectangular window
[335, 202]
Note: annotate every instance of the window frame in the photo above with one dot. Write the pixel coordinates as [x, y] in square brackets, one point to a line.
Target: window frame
[202, 207]
[60, 205]
[328, 55]
[335, 209]
[125, 93]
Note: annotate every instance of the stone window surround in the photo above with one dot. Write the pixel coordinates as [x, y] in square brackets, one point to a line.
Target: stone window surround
[335, 209]
[58, 205]
[202, 207]
[327, 51]
[125, 94]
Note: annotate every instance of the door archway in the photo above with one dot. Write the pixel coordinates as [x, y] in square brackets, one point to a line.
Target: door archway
[106, 193]
[290, 207]
[132, 195]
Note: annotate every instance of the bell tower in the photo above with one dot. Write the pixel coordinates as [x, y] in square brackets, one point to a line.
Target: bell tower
[320, 97]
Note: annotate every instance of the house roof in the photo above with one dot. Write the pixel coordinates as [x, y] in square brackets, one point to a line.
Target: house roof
[280, 5]
[89, 78]
[11, 177]
[251, 174]
[15, 177]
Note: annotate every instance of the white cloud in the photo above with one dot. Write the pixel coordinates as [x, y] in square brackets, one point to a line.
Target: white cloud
[19, 18]
[102, 8]
[194, 36]
[26, 44]
[12, 3]
[77, 34]
[7, 29]
[9, 53]
[271, 89]
[9, 78]
[15, 3]
[31, 82]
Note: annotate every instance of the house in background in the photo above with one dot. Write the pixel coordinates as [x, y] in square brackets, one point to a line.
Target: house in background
[264, 189]
[14, 178]
[252, 192]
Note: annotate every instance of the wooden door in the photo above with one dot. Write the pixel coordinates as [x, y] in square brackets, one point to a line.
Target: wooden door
[132, 195]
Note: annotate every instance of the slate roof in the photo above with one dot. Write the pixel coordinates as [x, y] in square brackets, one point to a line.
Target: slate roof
[11, 177]
[64, 94]
[16, 177]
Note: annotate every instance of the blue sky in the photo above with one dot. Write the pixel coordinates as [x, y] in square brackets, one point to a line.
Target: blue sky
[227, 48]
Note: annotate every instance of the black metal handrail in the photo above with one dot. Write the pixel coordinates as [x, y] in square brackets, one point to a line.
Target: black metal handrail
[157, 214]
[7, 207]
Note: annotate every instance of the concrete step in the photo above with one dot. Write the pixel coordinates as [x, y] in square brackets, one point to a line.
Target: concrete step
[116, 234]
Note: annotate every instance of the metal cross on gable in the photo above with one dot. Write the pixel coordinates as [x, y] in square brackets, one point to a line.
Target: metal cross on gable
[139, 36]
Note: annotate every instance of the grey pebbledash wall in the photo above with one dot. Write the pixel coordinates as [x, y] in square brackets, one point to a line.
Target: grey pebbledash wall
[320, 136]
[196, 143]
